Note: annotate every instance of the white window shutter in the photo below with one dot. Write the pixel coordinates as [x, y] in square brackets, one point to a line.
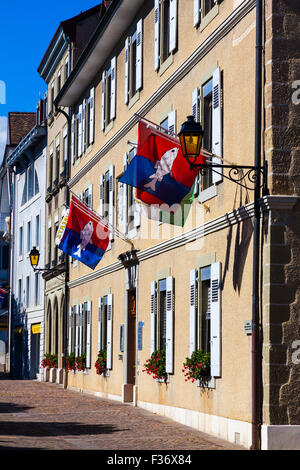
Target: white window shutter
[139, 54]
[70, 330]
[197, 10]
[153, 317]
[101, 189]
[73, 139]
[76, 330]
[173, 26]
[217, 124]
[109, 332]
[170, 325]
[172, 121]
[111, 198]
[99, 345]
[195, 104]
[137, 212]
[126, 83]
[83, 125]
[113, 88]
[156, 34]
[103, 101]
[120, 197]
[88, 333]
[125, 213]
[215, 322]
[92, 115]
[193, 310]
[79, 143]
[90, 196]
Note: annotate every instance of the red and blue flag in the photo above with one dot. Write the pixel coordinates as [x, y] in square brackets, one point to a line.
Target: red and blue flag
[159, 171]
[83, 234]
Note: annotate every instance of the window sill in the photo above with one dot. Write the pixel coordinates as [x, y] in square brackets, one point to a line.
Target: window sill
[210, 384]
[208, 193]
[205, 20]
[165, 65]
[134, 99]
[163, 381]
[109, 127]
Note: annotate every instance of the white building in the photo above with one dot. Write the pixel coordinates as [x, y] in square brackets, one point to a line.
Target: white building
[28, 165]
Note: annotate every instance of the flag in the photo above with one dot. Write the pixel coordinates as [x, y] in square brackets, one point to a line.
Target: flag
[3, 295]
[159, 169]
[83, 234]
[162, 212]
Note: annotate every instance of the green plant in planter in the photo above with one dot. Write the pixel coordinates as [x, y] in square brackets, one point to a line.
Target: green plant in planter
[80, 362]
[49, 361]
[70, 361]
[197, 367]
[100, 364]
[156, 365]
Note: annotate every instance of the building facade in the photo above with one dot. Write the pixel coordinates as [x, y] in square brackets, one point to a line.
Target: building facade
[58, 61]
[27, 165]
[186, 288]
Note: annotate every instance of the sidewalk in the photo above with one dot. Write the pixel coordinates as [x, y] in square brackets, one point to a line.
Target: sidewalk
[43, 416]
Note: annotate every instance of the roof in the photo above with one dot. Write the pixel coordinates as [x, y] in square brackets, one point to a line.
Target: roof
[19, 124]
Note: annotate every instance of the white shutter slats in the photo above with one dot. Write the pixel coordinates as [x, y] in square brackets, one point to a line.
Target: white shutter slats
[172, 121]
[84, 125]
[109, 331]
[217, 123]
[70, 331]
[156, 34]
[125, 214]
[169, 325]
[139, 54]
[92, 115]
[101, 190]
[73, 139]
[193, 310]
[126, 83]
[173, 26]
[153, 317]
[88, 333]
[103, 101]
[196, 114]
[99, 345]
[215, 315]
[113, 88]
[111, 198]
[80, 327]
[197, 11]
[76, 330]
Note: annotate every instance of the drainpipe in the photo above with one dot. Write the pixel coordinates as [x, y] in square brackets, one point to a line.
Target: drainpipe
[256, 353]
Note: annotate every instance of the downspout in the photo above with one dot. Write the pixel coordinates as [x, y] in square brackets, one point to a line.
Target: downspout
[256, 352]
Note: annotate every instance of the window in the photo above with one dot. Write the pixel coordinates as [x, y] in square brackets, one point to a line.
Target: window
[51, 98]
[19, 291]
[65, 149]
[56, 225]
[37, 230]
[105, 312]
[66, 68]
[36, 289]
[204, 11]
[31, 184]
[108, 94]
[50, 172]
[27, 293]
[133, 62]
[28, 237]
[57, 164]
[85, 332]
[4, 256]
[87, 196]
[128, 212]
[20, 241]
[206, 180]
[165, 30]
[49, 245]
[107, 196]
[58, 82]
[205, 313]
[162, 319]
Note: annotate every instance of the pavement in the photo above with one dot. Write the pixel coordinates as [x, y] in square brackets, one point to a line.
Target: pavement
[43, 416]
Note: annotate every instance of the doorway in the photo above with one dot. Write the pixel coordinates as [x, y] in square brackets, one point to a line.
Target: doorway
[35, 351]
[131, 338]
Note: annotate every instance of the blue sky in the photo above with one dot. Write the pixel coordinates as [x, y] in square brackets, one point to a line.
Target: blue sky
[26, 29]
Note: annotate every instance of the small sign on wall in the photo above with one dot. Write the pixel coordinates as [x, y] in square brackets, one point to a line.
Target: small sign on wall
[140, 335]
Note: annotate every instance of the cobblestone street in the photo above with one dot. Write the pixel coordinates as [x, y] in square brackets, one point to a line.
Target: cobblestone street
[43, 416]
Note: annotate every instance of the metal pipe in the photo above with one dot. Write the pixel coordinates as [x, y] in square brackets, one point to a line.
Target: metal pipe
[255, 353]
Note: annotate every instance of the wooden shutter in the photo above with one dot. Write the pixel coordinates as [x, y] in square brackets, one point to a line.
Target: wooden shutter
[173, 26]
[172, 121]
[70, 330]
[92, 115]
[99, 344]
[216, 124]
[73, 139]
[170, 325]
[197, 11]
[109, 331]
[79, 137]
[126, 83]
[103, 101]
[193, 310]
[156, 34]
[113, 88]
[215, 322]
[139, 54]
[111, 199]
[153, 317]
[101, 208]
[88, 333]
